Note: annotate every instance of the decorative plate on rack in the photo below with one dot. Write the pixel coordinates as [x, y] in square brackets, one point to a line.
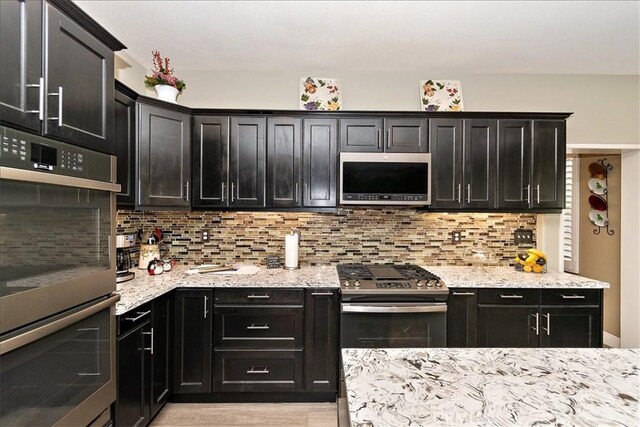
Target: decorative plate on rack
[597, 186]
[597, 202]
[598, 218]
[597, 170]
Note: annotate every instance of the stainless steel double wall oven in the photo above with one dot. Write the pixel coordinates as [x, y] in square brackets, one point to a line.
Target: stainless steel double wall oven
[57, 276]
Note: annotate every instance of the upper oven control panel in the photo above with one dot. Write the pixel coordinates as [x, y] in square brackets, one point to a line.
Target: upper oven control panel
[23, 150]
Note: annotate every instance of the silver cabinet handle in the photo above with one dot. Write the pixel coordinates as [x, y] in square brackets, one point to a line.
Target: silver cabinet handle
[59, 95]
[459, 193]
[462, 294]
[253, 326]
[378, 137]
[252, 296]
[548, 328]
[513, 296]
[140, 316]
[389, 138]
[186, 191]
[262, 370]
[528, 188]
[468, 193]
[574, 296]
[296, 195]
[537, 328]
[40, 110]
[222, 193]
[538, 194]
[206, 298]
[150, 348]
[233, 187]
[321, 294]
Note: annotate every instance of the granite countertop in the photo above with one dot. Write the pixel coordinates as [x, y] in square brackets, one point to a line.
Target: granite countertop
[492, 386]
[507, 277]
[144, 287]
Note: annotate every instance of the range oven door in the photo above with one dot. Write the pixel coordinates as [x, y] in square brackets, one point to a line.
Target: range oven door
[56, 238]
[60, 371]
[384, 325]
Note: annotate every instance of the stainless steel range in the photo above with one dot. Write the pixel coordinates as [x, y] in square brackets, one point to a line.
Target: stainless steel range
[385, 305]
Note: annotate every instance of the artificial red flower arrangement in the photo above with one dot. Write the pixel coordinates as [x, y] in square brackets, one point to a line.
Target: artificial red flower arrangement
[163, 74]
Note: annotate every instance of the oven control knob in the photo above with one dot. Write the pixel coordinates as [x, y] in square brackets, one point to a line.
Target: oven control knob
[420, 283]
[356, 284]
[438, 284]
[430, 284]
[346, 283]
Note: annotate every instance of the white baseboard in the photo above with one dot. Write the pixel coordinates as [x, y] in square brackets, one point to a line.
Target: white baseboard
[610, 340]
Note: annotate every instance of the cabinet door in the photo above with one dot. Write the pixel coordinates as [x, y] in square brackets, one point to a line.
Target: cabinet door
[548, 164]
[363, 135]
[320, 151]
[164, 167]
[445, 146]
[480, 145]
[125, 148]
[247, 161]
[321, 346]
[161, 351]
[508, 326]
[284, 160]
[405, 135]
[21, 63]
[570, 326]
[210, 161]
[132, 406]
[79, 84]
[514, 164]
[462, 318]
[192, 341]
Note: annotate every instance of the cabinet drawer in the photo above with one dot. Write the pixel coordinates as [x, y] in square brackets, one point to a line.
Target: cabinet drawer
[259, 327]
[570, 296]
[131, 319]
[509, 296]
[258, 370]
[259, 296]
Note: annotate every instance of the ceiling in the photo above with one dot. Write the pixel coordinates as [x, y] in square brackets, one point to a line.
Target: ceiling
[545, 37]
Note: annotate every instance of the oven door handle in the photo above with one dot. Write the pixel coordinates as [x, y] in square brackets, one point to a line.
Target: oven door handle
[423, 308]
[55, 326]
[63, 180]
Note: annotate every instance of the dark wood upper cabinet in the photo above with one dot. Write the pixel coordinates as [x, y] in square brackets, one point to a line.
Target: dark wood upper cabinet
[79, 85]
[210, 161]
[320, 143]
[406, 135]
[363, 135]
[548, 175]
[247, 161]
[284, 161]
[164, 158]
[125, 147]
[479, 177]
[514, 164]
[445, 146]
[21, 64]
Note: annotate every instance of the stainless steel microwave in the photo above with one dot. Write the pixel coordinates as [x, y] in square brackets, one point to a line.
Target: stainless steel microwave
[385, 179]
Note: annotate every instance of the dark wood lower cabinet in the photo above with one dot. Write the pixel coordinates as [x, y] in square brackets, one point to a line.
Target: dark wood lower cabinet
[570, 326]
[322, 313]
[507, 326]
[161, 372]
[462, 318]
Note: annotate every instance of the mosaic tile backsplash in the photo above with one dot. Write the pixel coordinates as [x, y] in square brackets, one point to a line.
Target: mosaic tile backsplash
[350, 235]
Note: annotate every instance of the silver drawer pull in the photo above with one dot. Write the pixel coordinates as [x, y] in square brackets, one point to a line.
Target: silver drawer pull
[254, 326]
[537, 328]
[463, 294]
[511, 296]
[321, 294]
[141, 315]
[261, 370]
[258, 296]
[574, 296]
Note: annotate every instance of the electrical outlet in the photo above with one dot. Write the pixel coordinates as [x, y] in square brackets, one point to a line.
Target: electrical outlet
[456, 236]
[522, 236]
[204, 235]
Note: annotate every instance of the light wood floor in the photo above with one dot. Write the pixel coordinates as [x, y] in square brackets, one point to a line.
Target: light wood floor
[248, 415]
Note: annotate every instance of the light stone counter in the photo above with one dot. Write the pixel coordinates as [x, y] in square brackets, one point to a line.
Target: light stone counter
[144, 287]
[492, 386]
[506, 277]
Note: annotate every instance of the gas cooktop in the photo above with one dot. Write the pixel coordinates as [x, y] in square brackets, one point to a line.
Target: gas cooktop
[388, 279]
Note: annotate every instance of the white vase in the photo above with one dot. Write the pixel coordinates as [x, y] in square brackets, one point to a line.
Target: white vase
[166, 93]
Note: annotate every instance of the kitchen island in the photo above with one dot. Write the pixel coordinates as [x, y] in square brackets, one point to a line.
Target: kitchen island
[492, 386]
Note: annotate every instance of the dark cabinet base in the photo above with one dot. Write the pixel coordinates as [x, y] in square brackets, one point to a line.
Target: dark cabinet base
[238, 397]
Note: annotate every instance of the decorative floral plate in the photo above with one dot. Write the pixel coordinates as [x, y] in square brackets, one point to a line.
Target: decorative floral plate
[598, 218]
[597, 186]
[320, 94]
[440, 95]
